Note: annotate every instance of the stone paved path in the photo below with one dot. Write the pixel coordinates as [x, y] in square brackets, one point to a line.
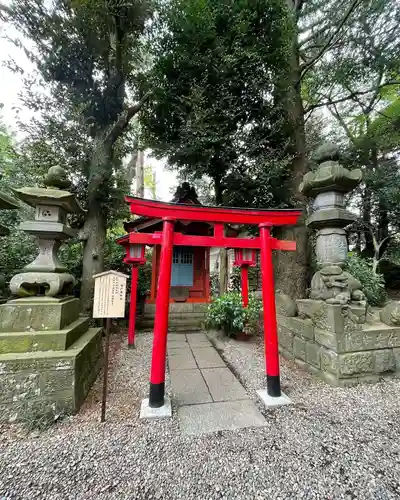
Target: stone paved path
[208, 395]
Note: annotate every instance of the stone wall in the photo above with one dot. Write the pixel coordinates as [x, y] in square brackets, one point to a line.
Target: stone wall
[341, 353]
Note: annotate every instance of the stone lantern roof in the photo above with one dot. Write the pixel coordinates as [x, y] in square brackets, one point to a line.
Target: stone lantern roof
[330, 175]
[7, 203]
[53, 194]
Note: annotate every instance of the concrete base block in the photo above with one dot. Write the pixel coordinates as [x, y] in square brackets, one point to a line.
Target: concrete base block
[163, 412]
[270, 402]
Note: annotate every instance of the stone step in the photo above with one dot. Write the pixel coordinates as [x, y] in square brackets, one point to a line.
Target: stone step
[184, 328]
[176, 323]
[179, 308]
[172, 317]
[181, 329]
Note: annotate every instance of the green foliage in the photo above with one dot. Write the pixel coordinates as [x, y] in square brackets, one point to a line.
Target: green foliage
[7, 147]
[214, 284]
[212, 111]
[227, 313]
[88, 63]
[373, 285]
[385, 128]
[16, 251]
[144, 279]
[235, 283]
[358, 82]
[390, 269]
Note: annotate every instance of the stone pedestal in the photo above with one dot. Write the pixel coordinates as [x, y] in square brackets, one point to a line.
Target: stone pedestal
[49, 357]
[339, 343]
[48, 354]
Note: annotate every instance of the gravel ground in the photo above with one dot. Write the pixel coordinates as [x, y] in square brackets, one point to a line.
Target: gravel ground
[330, 444]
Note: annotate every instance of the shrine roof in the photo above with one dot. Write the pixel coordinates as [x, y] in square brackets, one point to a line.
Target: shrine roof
[185, 194]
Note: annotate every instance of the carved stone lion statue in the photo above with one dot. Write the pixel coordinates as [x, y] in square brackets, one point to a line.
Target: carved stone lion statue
[335, 286]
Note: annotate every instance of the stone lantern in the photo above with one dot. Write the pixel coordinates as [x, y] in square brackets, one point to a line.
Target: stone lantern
[46, 275]
[49, 356]
[328, 185]
[332, 333]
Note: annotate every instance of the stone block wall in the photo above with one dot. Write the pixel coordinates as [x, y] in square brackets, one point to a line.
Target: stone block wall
[61, 379]
[343, 352]
[41, 368]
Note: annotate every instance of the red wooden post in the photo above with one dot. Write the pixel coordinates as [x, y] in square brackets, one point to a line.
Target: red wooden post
[132, 306]
[244, 272]
[157, 376]
[270, 328]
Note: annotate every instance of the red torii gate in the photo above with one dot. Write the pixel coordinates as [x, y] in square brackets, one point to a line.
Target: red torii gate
[218, 217]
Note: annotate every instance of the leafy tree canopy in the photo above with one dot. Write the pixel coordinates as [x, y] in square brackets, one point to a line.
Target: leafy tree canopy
[212, 111]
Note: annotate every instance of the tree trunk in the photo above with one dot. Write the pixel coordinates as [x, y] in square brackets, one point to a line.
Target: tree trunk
[140, 174]
[131, 170]
[95, 227]
[93, 254]
[223, 271]
[375, 263]
[223, 252]
[383, 221]
[292, 268]
[368, 250]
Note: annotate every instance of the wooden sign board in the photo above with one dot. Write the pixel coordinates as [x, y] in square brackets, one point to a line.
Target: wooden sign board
[109, 295]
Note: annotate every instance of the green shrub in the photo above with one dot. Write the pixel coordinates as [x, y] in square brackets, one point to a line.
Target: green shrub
[144, 278]
[373, 285]
[214, 284]
[228, 314]
[235, 281]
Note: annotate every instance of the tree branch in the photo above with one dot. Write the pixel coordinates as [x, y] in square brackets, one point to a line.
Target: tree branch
[326, 46]
[311, 35]
[123, 121]
[336, 114]
[348, 97]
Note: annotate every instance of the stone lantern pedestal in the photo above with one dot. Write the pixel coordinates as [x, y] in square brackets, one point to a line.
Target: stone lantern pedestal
[48, 354]
[333, 333]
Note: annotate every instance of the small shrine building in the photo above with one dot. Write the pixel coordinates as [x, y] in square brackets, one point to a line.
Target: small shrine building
[190, 278]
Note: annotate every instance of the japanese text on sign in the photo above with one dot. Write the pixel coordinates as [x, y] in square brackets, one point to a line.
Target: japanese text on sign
[109, 296]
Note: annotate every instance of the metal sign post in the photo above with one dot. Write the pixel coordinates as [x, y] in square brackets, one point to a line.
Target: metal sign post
[109, 302]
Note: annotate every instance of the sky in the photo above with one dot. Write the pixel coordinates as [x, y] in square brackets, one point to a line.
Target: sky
[11, 87]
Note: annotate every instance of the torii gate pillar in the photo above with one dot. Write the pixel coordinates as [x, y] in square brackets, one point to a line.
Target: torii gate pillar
[157, 375]
[269, 314]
